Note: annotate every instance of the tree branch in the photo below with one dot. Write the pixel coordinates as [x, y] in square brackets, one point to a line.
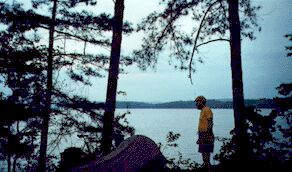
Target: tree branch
[196, 39]
[214, 40]
[172, 19]
[79, 58]
[101, 43]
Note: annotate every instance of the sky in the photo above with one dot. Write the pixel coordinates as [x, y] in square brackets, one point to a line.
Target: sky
[264, 61]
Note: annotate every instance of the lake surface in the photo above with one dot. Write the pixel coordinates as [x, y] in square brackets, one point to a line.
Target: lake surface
[156, 123]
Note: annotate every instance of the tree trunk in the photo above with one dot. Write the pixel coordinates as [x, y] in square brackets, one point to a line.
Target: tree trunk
[46, 118]
[236, 68]
[8, 162]
[107, 133]
[14, 164]
[9, 151]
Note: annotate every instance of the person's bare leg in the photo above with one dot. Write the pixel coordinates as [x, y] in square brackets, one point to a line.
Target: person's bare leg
[206, 160]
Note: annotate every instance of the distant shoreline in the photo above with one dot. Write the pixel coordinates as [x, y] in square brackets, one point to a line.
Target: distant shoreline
[215, 104]
[181, 108]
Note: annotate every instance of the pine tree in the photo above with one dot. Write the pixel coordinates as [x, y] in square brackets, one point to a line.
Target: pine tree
[23, 55]
[47, 112]
[213, 20]
[107, 134]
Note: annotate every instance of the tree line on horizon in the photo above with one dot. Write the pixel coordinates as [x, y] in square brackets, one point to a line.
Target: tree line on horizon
[38, 65]
[213, 103]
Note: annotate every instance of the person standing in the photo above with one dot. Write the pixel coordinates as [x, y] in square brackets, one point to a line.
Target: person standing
[205, 131]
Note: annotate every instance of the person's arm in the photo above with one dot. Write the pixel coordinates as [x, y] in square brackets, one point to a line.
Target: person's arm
[209, 118]
[210, 135]
[210, 124]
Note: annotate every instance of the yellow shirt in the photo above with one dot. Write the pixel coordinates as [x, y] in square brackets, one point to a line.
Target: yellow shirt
[205, 114]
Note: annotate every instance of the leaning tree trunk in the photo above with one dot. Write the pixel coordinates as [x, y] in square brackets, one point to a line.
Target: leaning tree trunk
[237, 84]
[107, 133]
[46, 118]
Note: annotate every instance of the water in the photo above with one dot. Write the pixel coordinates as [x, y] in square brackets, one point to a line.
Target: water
[156, 123]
